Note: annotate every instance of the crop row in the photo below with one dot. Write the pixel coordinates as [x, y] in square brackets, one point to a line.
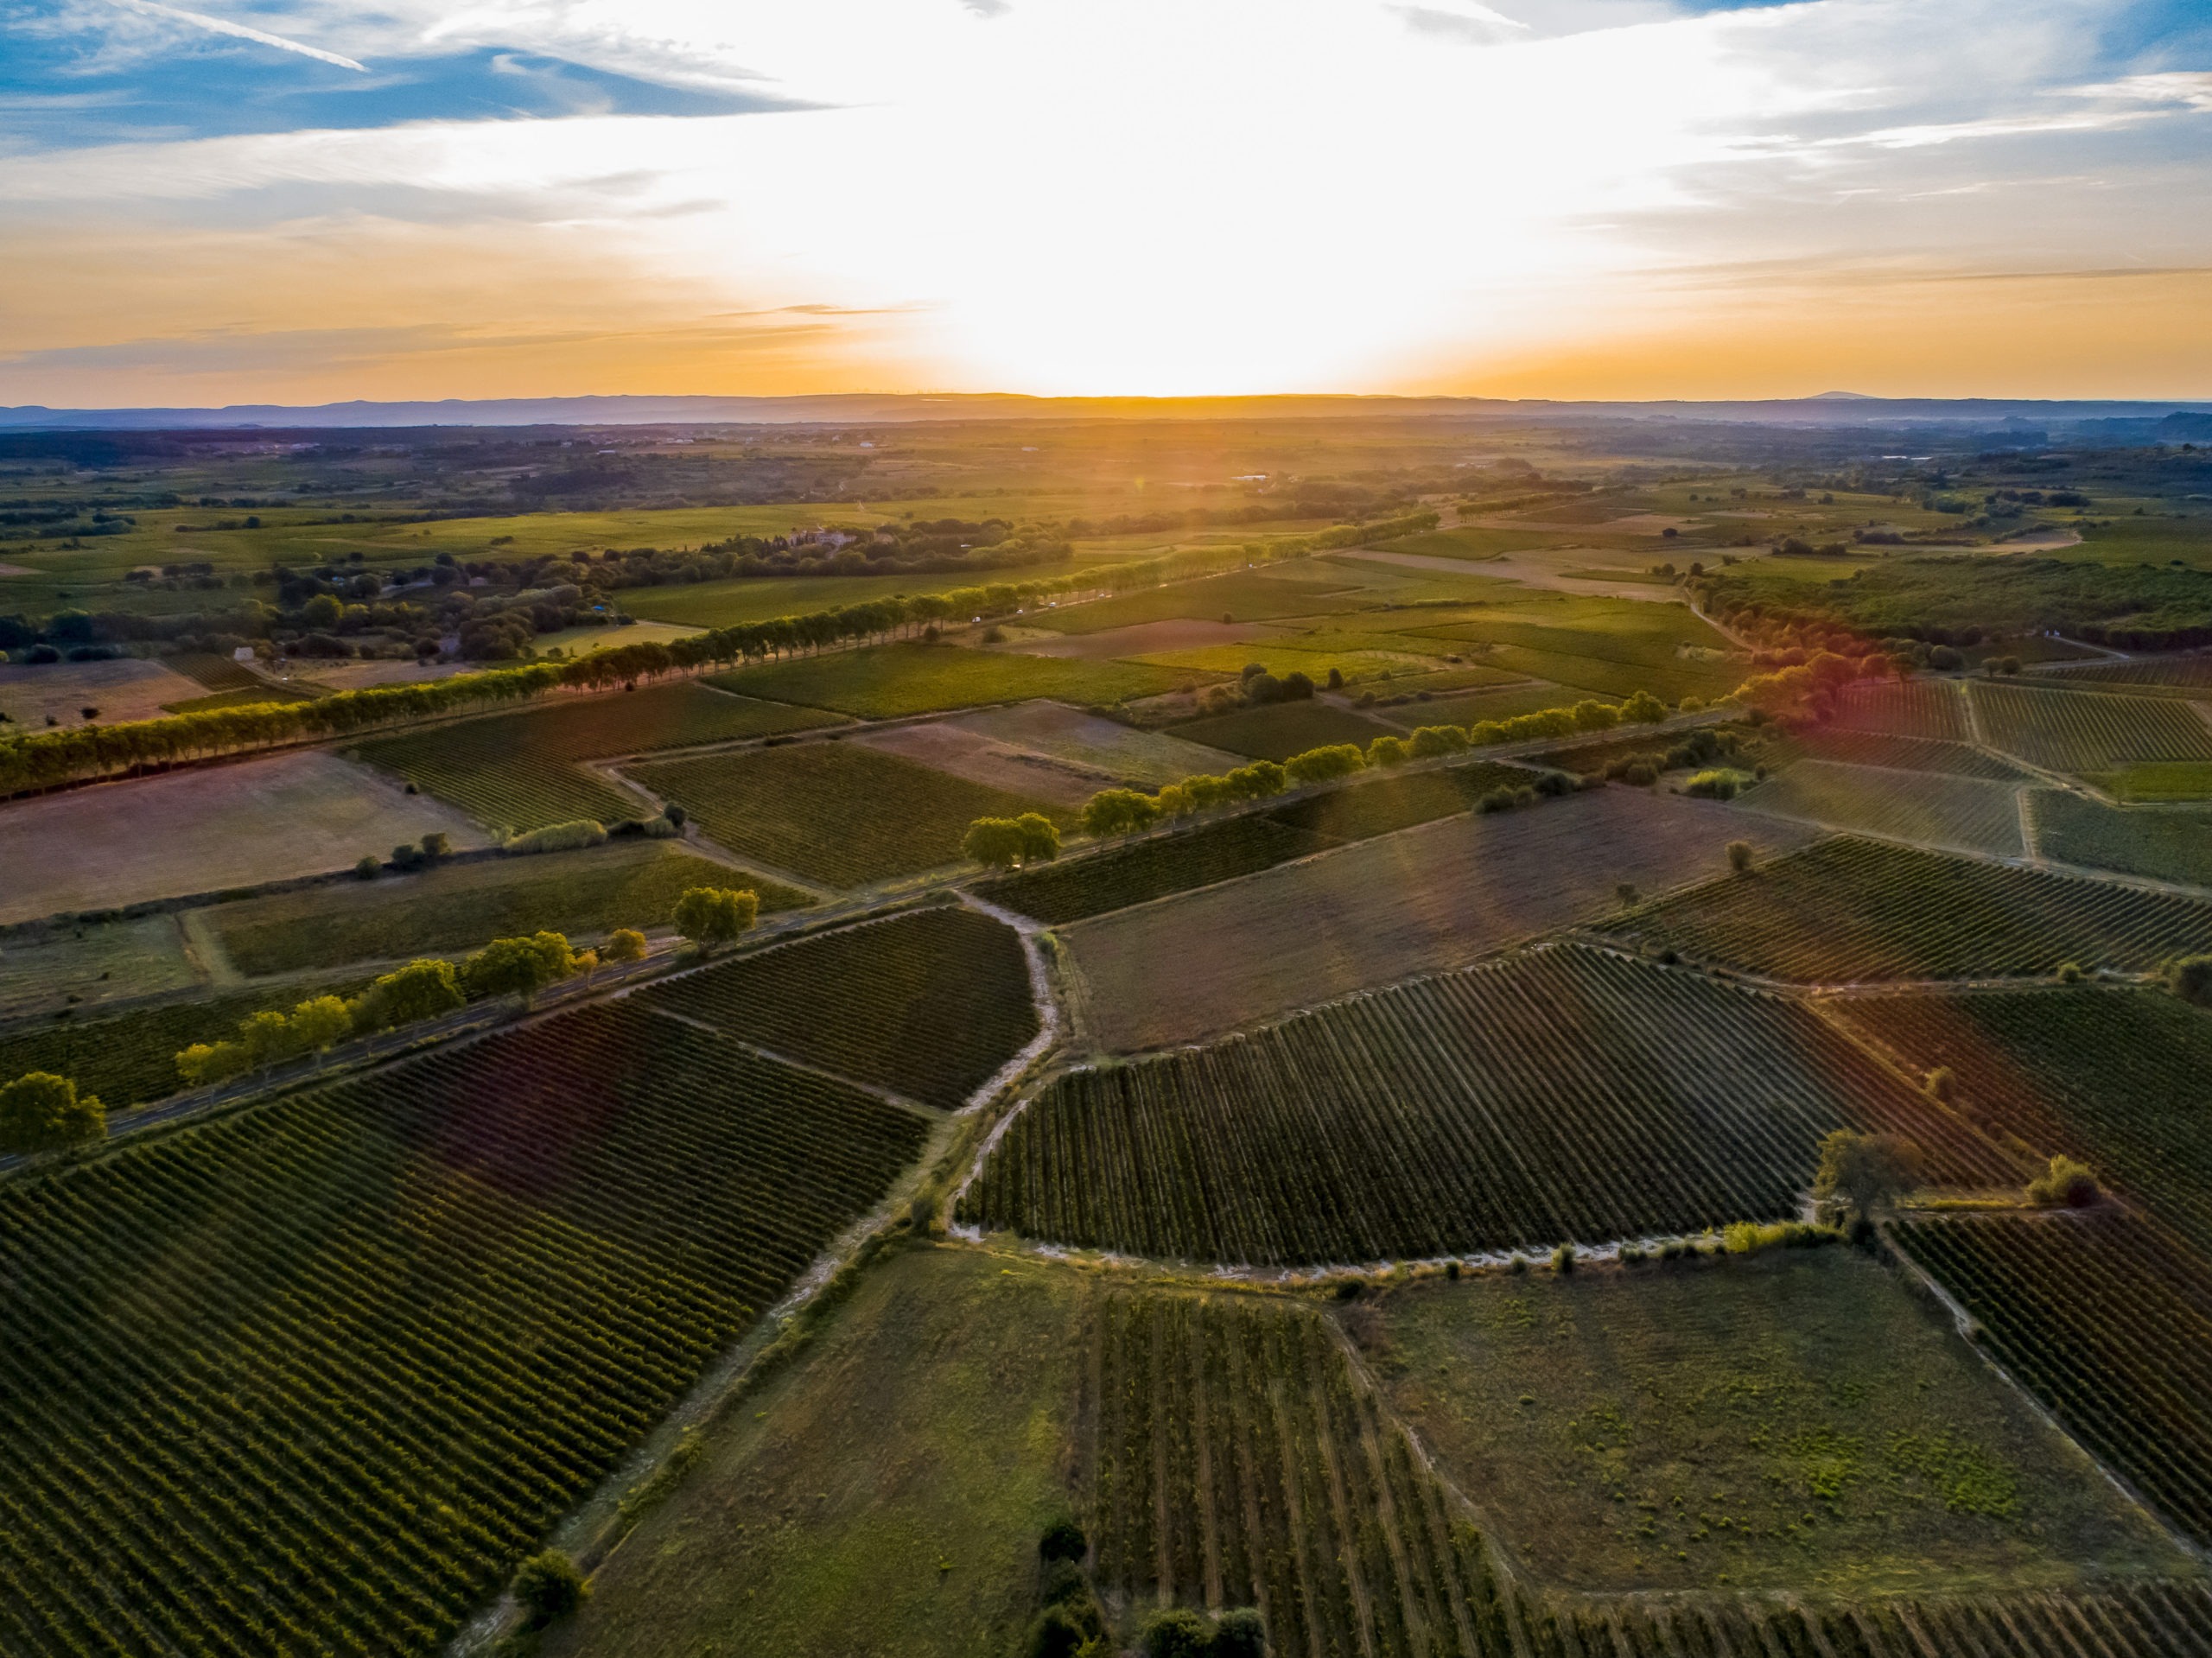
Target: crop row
[2084, 731]
[1914, 708]
[1907, 754]
[2107, 1322]
[312, 1378]
[1569, 1093]
[2168, 845]
[928, 1005]
[1970, 813]
[1859, 910]
[2192, 673]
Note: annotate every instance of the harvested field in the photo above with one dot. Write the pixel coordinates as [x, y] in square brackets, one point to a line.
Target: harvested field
[1730, 1398]
[1144, 870]
[929, 1006]
[980, 759]
[834, 812]
[1930, 708]
[128, 688]
[1964, 814]
[1568, 1094]
[584, 894]
[1141, 638]
[1427, 898]
[888, 681]
[2158, 843]
[1861, 911]
[1907, 754]
[2088, 731]
[1281, 729]
[200, 831]
[1144, 759]
[83, 964]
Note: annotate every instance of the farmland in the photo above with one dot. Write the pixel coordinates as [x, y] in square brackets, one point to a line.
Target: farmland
[928, 1005]
[1907, 754]
[1282, 729]
[2119, 1078]
[2086, 731]
[1931, 709]
[1241, 596]
[2161, 781]
[2105, 1324]
[1852, 910]
[459, 906]
[2162, 845]
[1388, 803]
[1150, 868]
[1145, 759]
[1564, 1095]
[1966, 814]
[1767, 1422]
[2189, 675]
[523, 770]
[1434, 896]
[832, 812]
[354, 1351]
[888, 681]
[82, 964]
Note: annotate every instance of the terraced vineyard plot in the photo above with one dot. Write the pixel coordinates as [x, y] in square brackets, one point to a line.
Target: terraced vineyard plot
[1144, 870]
[1965, 813]
[1390, 803]
[2085, 731]
[2162, 845]
[2119, 1078]
[2106, 1322]
[928, 1005]
[1907, 754]
[1569, 1093]
[1857, 911]
[1239, 1463]
[834, 812]
[1279, 731]
[1928, 708]
[521, 770]
[312, 1378]
[887, 681]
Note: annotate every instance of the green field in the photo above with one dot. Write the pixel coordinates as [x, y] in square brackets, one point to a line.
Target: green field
[884, 1494]
[1565, 1094]
[584, 894]
[1965, 814]
[888, 681]
[1931, 709]
[741, 599]
[1847, 911]
[353, 1352]
[2153, 782]
[1278, 730]
[2086, 731]
[1136, 873]
[2160, 843]
[930, 1005]
[1240, 596]
[830, 811]
[1785, 1421]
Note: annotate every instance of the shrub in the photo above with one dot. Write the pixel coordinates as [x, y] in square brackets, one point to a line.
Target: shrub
[2190, 978]
[1644, 708]
[1176, 1632]
[368, 868]
[435, 845]
[715, 915]
[558, 837]
[1242, 1633]
[41, 1112]
[1063, 1540]
[1641, 773]
[1940, 1085]
[2069, 972]
[1716, 784]
[407, 857]
[1740, 856]
[548, 1586]
[1563, 1258]
[1058, 1632]
[624, 944]
[2065, 1183]
[1517, 1262]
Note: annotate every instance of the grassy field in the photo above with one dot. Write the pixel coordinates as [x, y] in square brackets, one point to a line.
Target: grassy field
[1907, 754]
[1240, 596]
[1931, 709]
[1281, 729]
[2122, 1079]
[1794, 1420]
[1144, 759]
[2088, 732]
[584, 894]
[1567, 1094]
[205, 829]
[930, 1005]
[2161, 844]
[764, 598]
[1471, 707]
[888, 681]
[1964, 814]
[357, 1350]
[1859, 910]
[127, 688]
[834, 812]
[884, 1494]
[1136, 873]
[522, 770]
[83, 964]
[2152, 782]
[1425, 899]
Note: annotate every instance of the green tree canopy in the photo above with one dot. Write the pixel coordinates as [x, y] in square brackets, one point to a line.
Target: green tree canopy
[1866, 1173]
[709, 916]
[41, 1112]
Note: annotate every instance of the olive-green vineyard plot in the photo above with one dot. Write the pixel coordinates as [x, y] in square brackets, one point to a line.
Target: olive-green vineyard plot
[1928, 709]
[2160, 845]
[2122, 1079]
[1848, 911]
[314, 1377]
[1144, 870]
[2109, 1324]
[1568, 1094]
[2084, 731]
[930, 1005]
[1970, 814]
[2190, 676]
[1907, 754]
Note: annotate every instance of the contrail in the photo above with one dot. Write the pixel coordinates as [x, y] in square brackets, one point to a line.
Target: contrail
[217, 26]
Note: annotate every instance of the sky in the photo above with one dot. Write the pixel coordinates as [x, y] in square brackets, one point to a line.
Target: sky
[309, 202]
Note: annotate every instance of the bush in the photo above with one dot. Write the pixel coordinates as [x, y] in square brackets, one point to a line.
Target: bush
[41, 1112]
[1644, 708]
[2190, 978]
[1176, 1632]
[1387, 751]
[1063, 1540]
[624, 944]
[1058, 1632]
[2065, 1183]
[558, 837]
[2069, 972]
[1430, 741]
[1717, 784]
[1740, 856]
[368, 867]
[1563, 1259]
[548, 1586]
[1240, 1634]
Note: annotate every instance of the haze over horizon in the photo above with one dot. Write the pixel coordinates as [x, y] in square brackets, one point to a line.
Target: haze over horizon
[309, 202]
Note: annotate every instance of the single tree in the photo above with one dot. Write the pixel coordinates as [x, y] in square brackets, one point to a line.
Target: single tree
[1242, 1633]
[548, 1586]
[995, 843]
[269, 1040]
[204, 1063]
[435, 845]
[2065, 1182]
[41, 1112]
[422, 989]
[1040, 837]
[2190, 978]
[368, 867]
[624, 944]
[1865, 1174]
[1118, 811]
[709, 916]
[1740, 856]
[321, 1024]
[518, 966]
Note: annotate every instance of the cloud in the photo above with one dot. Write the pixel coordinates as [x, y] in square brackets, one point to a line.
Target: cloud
[239, 31]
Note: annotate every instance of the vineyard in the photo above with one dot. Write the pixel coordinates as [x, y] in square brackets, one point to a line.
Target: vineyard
[312, 1378]
[2122, 1079]
[1282, 729]
[2189, 675]
[1907, 754]
[832, 812]
[889, 682]
[1239, 1463]
[2109, 1324]
[1966, 813]
[1568, 1094]
[523, 770]
[1390, 803]
[2087, 732]
[2174, 846]
[1928, 709]
[1857, 911]
[928, 1005]
[1144, 870]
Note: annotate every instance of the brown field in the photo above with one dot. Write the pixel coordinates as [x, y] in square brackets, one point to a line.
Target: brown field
[85, 965]
[956, 753]
[1195, 966]
[1145, 638]
[127, 688]
[196, 831]
[1089, 743]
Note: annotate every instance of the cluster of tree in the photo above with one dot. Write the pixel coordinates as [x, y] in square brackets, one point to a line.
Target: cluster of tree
[1587, 716]
[1862, 1176]
[41, 1112]
[1701, 747]
[709, 916]
[2064, 1184]
[1009, 842]
[1806, 693]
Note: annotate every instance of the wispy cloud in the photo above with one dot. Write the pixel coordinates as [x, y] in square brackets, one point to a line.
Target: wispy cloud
[239, 31]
